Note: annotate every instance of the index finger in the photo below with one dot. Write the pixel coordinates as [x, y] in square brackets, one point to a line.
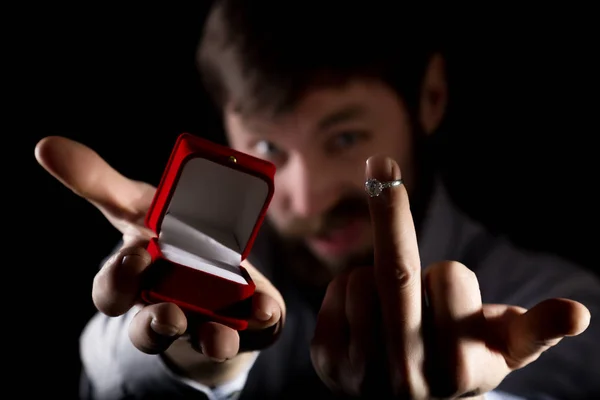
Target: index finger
[397, 271]
[116, 286]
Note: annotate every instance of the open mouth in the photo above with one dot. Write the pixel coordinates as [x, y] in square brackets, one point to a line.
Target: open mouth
[341, 240]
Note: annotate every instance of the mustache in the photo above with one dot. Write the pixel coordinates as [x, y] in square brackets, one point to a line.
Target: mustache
[348, 207]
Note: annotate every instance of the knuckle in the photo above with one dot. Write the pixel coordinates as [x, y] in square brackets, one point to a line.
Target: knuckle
[102, 296]
[406, 276]
[401, 274]
[115, 286]
[450, 271]
[143, 337]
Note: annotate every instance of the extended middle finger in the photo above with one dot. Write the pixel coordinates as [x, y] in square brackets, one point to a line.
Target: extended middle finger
[398, 277]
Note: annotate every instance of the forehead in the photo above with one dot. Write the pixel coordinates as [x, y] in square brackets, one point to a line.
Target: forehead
[322, 109]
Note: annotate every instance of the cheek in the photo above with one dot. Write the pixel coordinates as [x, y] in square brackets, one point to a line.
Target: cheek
[277, 207]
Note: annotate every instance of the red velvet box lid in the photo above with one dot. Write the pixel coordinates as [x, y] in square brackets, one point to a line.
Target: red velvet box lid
[214, 191]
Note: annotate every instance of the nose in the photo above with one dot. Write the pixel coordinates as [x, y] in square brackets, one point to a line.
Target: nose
[309, 189]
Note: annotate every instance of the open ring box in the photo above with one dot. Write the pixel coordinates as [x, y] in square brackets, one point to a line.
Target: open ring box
[206, 213]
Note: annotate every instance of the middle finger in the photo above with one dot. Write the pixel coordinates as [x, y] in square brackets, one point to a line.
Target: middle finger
[398, 278]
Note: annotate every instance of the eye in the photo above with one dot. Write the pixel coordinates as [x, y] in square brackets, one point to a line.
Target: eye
[345, 140]
[267, 149]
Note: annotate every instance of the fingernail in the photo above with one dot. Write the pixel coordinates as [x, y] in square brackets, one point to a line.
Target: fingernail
[263, 315]
[132, 261]
[382, 168]
[163, 329]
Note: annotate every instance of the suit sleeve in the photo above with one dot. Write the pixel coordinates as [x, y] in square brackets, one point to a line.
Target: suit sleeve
[510, 275]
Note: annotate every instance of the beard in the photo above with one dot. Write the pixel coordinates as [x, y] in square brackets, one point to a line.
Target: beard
[312, 266]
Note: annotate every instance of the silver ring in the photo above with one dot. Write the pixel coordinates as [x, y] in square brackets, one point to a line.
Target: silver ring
[373, 187]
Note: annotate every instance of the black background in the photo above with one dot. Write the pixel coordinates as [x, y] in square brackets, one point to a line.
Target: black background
[520, 155]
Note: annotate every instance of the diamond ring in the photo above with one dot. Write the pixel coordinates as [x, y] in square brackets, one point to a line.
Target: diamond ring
[373, 187]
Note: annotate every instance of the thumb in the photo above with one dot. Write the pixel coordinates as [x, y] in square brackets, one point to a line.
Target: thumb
[542, 327]
[82, 170]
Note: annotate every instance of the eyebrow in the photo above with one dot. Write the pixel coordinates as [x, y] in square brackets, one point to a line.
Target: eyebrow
[341, 115]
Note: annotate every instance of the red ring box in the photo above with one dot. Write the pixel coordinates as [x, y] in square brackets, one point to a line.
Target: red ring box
[206, 213]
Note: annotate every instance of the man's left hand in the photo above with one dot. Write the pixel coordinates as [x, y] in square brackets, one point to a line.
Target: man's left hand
[375, 330]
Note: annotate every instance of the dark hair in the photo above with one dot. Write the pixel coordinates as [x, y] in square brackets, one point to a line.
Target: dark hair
[262, 56]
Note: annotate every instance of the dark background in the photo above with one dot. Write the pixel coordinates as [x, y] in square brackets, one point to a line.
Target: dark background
[520, 154]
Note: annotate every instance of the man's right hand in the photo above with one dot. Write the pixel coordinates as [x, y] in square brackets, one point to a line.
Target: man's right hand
[209, 353]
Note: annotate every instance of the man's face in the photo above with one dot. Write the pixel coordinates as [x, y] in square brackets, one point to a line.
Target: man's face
[320, 149]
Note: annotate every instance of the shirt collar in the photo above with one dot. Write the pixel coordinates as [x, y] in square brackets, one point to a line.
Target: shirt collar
[445, 230]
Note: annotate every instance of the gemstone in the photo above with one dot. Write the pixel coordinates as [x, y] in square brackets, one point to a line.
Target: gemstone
[373, 187]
